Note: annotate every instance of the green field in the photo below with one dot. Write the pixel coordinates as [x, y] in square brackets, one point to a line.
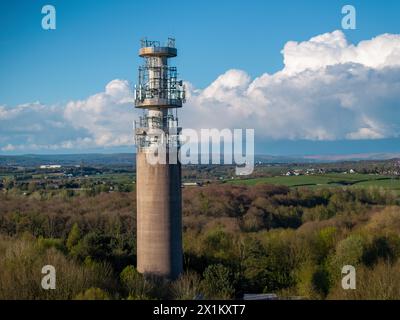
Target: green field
[393, 184]
[326, 180]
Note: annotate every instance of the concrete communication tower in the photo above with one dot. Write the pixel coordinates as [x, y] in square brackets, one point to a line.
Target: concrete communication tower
[158, 185]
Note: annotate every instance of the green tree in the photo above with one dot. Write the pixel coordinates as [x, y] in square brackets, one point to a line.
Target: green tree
[73, 237]
[95, 245]
[140, 288]
[324, 242]
[186, 287]
[350, 251]
[217, 283]
[381, 248]
[218, 244]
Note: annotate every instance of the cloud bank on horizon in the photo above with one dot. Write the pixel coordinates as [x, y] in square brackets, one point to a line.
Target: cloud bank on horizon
[328, 89]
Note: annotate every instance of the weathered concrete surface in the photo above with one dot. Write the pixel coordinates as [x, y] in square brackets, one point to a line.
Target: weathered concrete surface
[159, 218]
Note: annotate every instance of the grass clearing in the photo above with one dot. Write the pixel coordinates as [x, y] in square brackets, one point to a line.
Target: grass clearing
[326, 180]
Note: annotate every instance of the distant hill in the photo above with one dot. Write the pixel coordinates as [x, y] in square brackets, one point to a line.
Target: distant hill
[69, 159]
[326, 158]
[128, 159]
[356, 156]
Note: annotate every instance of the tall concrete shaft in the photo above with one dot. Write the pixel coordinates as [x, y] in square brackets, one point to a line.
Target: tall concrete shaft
[158, 171]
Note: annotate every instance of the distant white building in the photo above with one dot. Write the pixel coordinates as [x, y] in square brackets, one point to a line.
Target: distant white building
[294, 173]
[192, 184]
[297, 172]
[50, 166]
[310, 171]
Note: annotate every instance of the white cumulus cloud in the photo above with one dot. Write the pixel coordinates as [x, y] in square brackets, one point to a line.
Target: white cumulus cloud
[333, 48]
[328, 89]
[102, 120]
[107, 116]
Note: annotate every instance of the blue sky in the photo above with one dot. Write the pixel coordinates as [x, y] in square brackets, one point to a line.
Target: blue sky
[97, 41]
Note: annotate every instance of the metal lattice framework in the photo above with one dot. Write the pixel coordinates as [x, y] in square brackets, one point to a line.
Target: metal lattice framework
[158, 83]
[148, 131]
[159, 93]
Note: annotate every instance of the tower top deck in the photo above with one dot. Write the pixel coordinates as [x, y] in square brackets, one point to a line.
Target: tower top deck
[151, 48]
[158, 86]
